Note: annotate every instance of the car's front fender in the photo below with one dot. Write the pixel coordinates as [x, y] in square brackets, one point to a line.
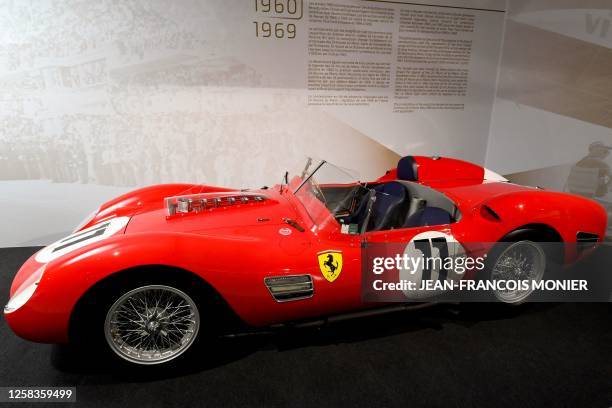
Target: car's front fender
[145, 199]
[233, 264]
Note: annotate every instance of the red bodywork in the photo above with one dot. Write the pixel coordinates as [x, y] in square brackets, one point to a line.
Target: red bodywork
[234, 248]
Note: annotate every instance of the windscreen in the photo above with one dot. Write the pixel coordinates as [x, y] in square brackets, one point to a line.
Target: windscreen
[326, 191]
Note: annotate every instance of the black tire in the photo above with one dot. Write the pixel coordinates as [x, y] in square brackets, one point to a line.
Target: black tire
[539, 260]
[89, 331]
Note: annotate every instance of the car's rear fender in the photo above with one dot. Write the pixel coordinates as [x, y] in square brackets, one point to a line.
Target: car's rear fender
[566, 213]
[562, 216]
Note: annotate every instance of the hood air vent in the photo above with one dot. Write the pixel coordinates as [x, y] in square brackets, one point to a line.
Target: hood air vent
[208, 201]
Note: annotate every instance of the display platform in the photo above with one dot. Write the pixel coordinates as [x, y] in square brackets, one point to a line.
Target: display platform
[538, 355]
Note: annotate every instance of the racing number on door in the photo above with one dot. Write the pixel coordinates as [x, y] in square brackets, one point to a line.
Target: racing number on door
[432, 254]
[425, 246]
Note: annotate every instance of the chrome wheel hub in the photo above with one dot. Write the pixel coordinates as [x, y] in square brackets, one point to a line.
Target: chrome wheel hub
[521, 261]
[152, 324]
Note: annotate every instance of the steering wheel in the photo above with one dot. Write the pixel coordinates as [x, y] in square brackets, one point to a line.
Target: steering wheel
[355, 203]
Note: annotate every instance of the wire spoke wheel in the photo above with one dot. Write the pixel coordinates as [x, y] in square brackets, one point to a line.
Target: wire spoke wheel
[152, 324]
[521, 261]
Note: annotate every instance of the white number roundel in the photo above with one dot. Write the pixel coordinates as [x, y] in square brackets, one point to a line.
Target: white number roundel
[428, 255]
[82, 238]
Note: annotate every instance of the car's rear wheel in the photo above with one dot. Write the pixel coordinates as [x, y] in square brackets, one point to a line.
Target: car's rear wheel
[152, 324]
[522, 260]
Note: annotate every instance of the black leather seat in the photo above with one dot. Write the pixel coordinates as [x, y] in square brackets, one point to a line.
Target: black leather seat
[428, 216]
[386, 211]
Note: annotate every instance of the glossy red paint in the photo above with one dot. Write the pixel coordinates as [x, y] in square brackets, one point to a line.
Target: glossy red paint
[432, 170]
[146, 199]
[235, 248]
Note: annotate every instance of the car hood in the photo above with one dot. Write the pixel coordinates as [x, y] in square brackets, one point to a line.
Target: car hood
[223, 213]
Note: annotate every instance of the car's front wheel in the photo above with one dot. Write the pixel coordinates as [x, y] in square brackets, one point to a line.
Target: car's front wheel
[147, 318]
[152, 324]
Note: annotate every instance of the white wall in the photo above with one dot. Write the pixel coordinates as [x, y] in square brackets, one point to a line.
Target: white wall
[99, 97]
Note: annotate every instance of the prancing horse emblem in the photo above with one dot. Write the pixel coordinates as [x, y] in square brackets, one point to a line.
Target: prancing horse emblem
[330, 263]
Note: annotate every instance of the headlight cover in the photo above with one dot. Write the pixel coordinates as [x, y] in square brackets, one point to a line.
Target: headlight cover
[25, 291]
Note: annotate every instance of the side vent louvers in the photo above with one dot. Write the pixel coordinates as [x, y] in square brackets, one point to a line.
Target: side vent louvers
[288, 288]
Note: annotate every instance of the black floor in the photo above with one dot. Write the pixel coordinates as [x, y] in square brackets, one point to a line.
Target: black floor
[448, 356]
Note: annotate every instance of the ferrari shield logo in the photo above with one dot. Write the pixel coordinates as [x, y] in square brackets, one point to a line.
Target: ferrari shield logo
[330, 263]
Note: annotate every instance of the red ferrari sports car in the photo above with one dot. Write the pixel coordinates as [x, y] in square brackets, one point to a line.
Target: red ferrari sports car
[153, 272]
